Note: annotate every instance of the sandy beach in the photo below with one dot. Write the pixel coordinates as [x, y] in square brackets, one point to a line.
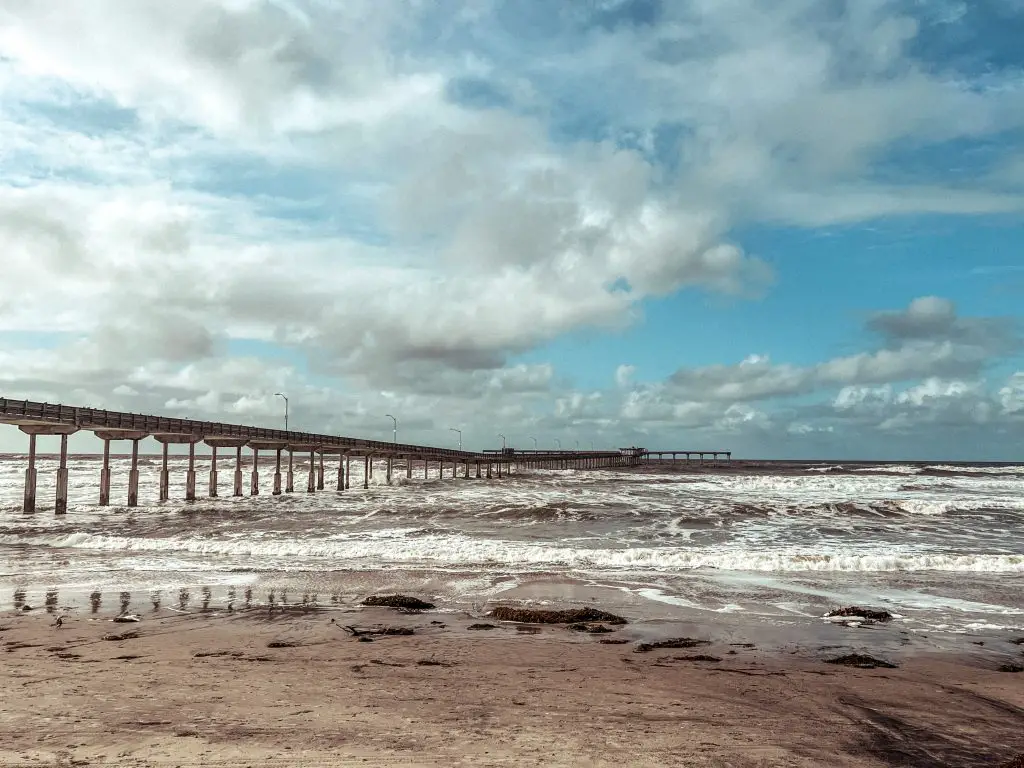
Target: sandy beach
[293, 687]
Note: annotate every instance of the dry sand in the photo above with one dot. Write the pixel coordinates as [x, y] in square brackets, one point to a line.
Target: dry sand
[205, 689]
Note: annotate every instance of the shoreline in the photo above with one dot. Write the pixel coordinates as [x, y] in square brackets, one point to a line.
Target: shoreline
[290, 687]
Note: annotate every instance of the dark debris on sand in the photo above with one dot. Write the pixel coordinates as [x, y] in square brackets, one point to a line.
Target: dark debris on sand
[1015, 762]
[593, 629]
[861, 661]
[398, 601]
[696, 657]
[574, 616]
[673, 642]
[1018, 641]
[863, 613]
[613, 641]
[482, 626]
[122, 636]
[1011, 668]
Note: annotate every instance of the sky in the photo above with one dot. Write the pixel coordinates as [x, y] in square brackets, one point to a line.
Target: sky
[789, 229]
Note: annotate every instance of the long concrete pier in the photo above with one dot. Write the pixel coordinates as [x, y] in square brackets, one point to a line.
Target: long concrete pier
[47, 419]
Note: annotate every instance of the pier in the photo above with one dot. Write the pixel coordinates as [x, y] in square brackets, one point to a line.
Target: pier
[244, 444]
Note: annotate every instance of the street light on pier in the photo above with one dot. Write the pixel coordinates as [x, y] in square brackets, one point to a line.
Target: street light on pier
[558, 443]
[453, 429]
[278, 394]
[534, 443]
[394, 434]
[502, 443]
[577, 446]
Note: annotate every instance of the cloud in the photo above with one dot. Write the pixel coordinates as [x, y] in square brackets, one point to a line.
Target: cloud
[391, 203]
[925, 340]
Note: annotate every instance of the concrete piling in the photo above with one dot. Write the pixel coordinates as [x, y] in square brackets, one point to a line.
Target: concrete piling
[61, 506]
[366, 472]
[311, 480]
[190, 474]
[105, 476]
[341, 471]
[320, 473]
[165, 477]
[290, 484]
[254, 479]
[133, 476]
[238, 470]
[30, 477]
[213, 473]
[277, 473]
[389, 467]
[408, 467]
[348, 471]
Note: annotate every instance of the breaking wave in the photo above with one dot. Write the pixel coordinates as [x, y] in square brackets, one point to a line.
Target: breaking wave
[459, 551]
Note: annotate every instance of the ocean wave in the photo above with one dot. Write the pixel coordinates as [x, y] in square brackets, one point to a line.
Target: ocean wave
[462, 551]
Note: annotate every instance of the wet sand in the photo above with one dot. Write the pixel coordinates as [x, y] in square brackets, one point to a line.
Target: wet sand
[207, 688]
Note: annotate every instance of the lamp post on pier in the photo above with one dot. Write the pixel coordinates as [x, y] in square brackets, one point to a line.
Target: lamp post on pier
[502, 443]
[285, 398]
[453, 429]
[558, 443]
[534, 443]
[394, 433]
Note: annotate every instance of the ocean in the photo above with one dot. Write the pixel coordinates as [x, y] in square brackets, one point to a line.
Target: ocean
[941, 546]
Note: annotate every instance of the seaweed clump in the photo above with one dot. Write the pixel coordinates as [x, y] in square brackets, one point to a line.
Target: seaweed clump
[573, 616]
[398, 601]
[861, 661]
[1015, 762]
[593, 629]
[861, 613]
[673, 642]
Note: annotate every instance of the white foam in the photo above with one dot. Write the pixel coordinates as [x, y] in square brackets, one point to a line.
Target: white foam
[461, 550]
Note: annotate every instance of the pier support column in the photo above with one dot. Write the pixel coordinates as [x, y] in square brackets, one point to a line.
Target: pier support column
[226, 442]
[426, 467]
[488, 470]
[390, 459]
[341, 471]
[165, 477]
[213, 473]
[238, 471]
[311, 480]
[478, 470]
[105, 476]
[466, 475]
[320, 473]
[254, 478]
[133, 476]
[408, 467]
[290, 484]
[348, 471]
[277, 473]
[61, 506]
[366, 472]
[30, 477]
[190, 475]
